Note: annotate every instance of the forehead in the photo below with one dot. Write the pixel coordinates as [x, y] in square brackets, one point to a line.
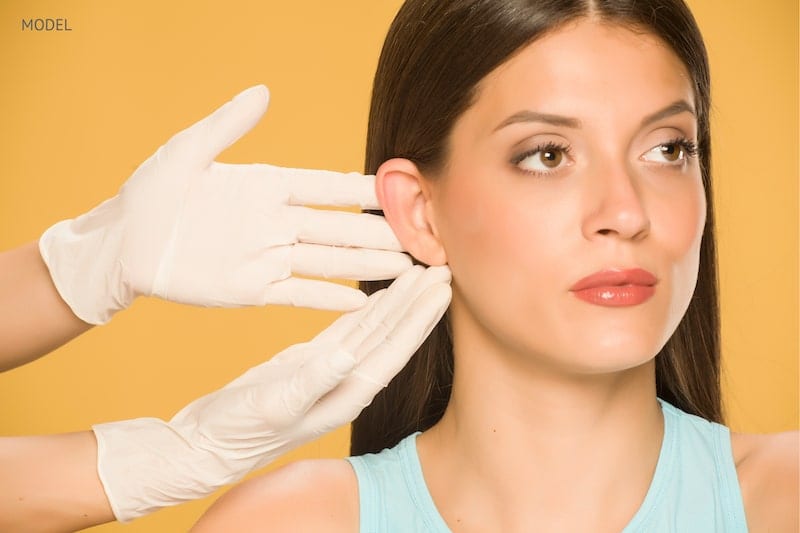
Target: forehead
[593, 71]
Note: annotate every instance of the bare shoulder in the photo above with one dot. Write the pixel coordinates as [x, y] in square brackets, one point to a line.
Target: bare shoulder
[312, 495]
[768, 467]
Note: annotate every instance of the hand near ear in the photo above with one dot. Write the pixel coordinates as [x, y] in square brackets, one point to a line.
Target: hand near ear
[189, 229]
[296, 396]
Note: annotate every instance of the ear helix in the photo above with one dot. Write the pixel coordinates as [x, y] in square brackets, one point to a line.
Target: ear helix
[406, 204]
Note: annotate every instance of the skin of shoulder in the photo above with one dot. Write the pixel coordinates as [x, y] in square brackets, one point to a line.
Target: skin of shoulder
[322, 495]
[768, 467]
[310, 495]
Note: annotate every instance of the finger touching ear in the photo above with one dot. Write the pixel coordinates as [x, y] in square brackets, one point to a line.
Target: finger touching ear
[406, 203]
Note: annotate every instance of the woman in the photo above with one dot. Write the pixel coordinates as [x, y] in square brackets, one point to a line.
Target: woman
[556, 155]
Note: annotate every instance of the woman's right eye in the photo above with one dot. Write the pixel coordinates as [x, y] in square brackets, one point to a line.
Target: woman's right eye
[542, 160]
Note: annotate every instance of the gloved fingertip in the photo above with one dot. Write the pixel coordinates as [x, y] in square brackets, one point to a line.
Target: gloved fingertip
[443, 288]
[398, 262]
[351, 300]
[256, 92]
[341, 362]
[246, 109]
[436, 274]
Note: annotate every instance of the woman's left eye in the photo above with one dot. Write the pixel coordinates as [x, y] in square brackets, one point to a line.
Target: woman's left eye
[675, 151]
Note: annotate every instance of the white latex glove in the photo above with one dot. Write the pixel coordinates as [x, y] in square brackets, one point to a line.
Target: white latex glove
[298, 395]
[188, 229]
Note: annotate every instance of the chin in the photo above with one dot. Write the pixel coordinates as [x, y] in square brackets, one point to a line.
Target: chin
[615, 364]
[616, 354]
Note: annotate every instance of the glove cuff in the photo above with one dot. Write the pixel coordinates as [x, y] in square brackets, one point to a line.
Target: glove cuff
[144, 465]
[82, 256]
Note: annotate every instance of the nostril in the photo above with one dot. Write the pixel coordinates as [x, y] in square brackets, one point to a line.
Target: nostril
[604, 231]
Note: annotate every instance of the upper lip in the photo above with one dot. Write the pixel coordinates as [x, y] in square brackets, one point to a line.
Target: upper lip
[616, 277]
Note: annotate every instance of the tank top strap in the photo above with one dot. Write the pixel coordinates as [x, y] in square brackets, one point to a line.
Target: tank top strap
[730, 489]
[392, 493]
[695, 487]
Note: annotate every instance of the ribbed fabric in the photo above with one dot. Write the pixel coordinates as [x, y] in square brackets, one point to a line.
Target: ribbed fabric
[694, 489]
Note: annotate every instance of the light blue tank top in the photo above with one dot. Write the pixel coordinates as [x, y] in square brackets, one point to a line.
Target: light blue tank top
[694, 489]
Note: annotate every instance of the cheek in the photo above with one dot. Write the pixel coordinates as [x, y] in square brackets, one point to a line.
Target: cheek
[503, 245]
[467, 217]
[678, 227]
[687, 223]
[488, 231]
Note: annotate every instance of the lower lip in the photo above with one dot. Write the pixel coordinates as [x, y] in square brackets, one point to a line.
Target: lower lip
[616, 295]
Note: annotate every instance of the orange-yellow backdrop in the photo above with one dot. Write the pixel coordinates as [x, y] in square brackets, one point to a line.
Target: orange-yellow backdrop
[81, 109]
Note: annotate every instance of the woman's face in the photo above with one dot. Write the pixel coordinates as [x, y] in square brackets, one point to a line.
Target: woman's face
[576, 158]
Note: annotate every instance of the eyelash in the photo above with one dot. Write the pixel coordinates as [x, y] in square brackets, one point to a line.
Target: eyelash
[688, 147]
[545, 147]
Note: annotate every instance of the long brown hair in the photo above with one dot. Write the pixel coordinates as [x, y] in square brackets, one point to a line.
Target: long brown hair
[434, 56]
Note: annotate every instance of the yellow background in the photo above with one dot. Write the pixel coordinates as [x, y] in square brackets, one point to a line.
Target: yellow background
[81, 109]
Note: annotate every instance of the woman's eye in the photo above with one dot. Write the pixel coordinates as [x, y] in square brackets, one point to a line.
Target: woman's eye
[671, 152]
[542, 159]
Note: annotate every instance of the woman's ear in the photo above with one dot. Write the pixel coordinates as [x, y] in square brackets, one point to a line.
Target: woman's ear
[405, 198]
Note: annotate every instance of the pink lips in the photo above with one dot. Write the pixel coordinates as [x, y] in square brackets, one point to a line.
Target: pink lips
[616, 288]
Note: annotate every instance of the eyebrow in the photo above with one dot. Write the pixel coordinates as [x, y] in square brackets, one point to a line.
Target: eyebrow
[527, 115]
[675, 108]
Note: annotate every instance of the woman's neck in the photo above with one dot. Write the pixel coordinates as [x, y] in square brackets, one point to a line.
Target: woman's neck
[522, 447]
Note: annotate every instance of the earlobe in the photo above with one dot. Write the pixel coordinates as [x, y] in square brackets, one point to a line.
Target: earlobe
[406, 204]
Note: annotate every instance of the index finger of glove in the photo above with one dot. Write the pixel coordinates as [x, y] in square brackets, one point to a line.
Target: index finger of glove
[347, 263]
[374, 328]
[385, 359]
[203, 141]
[326, 187]
[348, 399]
[342, 228]
[314, 294]
[384, 308]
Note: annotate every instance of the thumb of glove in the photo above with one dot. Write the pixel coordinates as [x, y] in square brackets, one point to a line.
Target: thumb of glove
[202, 142]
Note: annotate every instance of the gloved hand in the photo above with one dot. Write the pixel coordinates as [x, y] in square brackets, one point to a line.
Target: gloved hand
[188, 229]
[298, 395]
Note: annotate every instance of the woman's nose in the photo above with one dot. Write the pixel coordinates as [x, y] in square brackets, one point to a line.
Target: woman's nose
[615, 205]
